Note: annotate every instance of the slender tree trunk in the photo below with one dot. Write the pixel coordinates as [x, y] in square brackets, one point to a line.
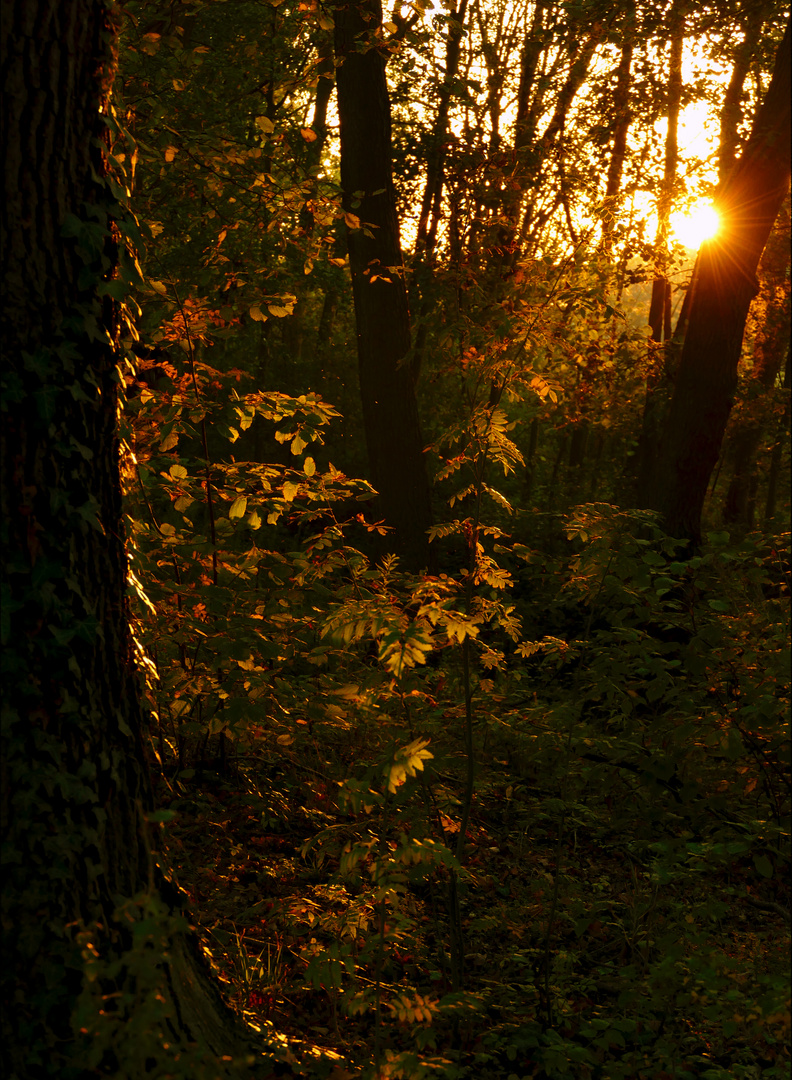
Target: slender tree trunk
[756, 414]
[429, 217]
[731, 110]
[724, 284]
[324, 91]
[80, 886]
[658, 377]
[622, 117]
[782, 441]
[529, 62]
[387, 383]
[527, 170]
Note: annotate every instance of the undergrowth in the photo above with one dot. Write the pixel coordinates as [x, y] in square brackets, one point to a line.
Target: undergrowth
[529, 819]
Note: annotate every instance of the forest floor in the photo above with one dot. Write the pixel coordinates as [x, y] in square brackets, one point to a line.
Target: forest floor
[600, 938]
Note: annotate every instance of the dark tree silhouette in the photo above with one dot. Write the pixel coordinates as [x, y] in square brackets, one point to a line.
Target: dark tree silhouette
[724, 284]
[80, 887]
[387, 378]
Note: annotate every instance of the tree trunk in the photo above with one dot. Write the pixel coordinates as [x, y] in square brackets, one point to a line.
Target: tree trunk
[731, 110]
[387, 384]
[781, 442]
[658, 379]
[429, 217]
[724, 283]
[531, 157]
[756, 416]
[622, 117]
[98, 974]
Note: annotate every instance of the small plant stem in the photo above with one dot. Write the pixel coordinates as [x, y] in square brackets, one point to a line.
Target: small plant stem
[204, 442]
[380, 955]
[545, 963]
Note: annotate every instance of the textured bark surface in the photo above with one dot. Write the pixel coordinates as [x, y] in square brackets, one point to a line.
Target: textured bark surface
[387, 385]
[724, 284]
[75, 787]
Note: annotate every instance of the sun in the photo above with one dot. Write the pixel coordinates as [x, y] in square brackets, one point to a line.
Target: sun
[692, 227]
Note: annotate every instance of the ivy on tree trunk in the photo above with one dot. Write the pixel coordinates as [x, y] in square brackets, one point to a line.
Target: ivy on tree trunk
[100, 973]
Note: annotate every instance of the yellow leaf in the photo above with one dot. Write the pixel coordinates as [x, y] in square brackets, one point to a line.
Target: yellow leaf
[351, 690]
[308, 135]
[178, 84]
[257, 314]
[157, 286]
[265, 124]
[178, 472]
[309, 468]
[290, 490]
[352, 220]
[298, 444]
[238, 507]
[278, 311]
[171, 152]
[285, 740]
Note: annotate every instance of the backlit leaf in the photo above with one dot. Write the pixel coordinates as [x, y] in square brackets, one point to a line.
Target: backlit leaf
[238, 507]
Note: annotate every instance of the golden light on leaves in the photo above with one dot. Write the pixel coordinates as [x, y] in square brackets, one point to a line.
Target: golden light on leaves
[693, 226]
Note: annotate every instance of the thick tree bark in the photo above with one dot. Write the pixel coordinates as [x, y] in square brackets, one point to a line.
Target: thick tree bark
[78, 871]
[387, 379]
[724, 284]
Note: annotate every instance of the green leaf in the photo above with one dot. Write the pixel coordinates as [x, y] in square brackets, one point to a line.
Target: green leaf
[763, 866]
